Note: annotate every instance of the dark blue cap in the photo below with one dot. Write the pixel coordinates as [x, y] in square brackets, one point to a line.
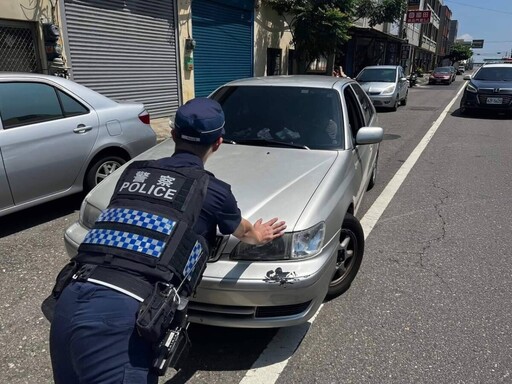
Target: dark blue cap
[200, 120]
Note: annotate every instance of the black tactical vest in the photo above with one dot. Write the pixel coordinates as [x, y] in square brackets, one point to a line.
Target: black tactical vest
[148, 226]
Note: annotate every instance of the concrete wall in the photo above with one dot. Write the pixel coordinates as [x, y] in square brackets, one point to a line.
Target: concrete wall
[270, 31]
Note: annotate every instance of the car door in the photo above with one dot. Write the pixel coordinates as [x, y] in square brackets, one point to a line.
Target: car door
[362, 153]
[5, 191]
[46, 139]
[402, 82]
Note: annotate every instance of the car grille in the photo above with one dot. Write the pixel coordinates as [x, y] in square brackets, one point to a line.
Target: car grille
[483, 98]
[245, 312]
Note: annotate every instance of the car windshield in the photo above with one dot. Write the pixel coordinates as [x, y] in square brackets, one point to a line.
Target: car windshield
[494, 74]
[442, 70]
[298, 117]
[374, 75]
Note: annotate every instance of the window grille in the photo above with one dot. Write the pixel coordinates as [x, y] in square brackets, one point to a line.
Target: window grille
[18, 49]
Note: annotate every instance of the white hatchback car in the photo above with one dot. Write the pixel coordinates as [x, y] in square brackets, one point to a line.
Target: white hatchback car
[386, 85]
[304, 149]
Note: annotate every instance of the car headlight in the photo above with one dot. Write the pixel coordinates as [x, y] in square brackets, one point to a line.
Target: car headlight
[88, 214]
[471, 88]
[291, 246]
[388, 90]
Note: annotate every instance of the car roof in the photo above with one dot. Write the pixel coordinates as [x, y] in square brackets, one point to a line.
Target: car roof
[92, 97]
[382, 66]
[315, 81]
[498, 65]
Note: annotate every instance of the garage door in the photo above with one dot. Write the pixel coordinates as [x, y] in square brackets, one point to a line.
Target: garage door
[223, 31]
[126, 50]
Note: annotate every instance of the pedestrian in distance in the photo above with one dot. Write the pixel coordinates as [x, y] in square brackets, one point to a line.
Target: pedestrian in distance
[96, 334]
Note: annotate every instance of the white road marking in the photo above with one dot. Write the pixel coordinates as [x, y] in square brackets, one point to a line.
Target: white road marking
[272, 361]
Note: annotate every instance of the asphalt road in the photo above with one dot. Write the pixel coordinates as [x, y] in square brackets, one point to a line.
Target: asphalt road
[431, 304]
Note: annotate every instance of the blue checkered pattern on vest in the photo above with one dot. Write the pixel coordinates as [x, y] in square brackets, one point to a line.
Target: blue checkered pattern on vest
[192, 259]
[138, 218]
[125, 240]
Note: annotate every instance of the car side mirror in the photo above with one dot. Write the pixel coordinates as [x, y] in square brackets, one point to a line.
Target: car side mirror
[403, 79]
[369, 135]
[467, 77]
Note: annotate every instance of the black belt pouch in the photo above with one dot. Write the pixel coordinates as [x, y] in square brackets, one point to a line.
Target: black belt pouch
[157, 312]
[63, 279]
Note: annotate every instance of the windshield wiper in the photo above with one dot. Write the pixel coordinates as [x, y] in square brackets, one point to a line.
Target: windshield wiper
[271, 143]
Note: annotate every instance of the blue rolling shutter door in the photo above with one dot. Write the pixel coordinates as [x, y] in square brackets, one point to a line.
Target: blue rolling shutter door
[224, 37]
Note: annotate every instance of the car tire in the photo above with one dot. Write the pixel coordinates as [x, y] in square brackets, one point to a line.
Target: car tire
[373, 177]
[404, 101]
[349, 257]
[101, 169]
[395, 106]
[463, 111]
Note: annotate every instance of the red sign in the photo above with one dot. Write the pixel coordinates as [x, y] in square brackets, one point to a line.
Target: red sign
[422, 17]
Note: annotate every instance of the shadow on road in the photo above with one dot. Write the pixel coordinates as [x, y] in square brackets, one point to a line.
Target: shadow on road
[31, 217]
[488, 115]
[222, 349]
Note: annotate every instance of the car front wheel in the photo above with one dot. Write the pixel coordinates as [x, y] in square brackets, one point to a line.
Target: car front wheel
[101, 169]
[349, 257]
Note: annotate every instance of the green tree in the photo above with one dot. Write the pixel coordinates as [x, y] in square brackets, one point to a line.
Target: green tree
[460, 52]
[319, 26]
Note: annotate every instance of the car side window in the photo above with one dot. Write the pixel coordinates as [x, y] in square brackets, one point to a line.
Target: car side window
[366, 104]
[70, 106]
[355, 117]
[28, 103]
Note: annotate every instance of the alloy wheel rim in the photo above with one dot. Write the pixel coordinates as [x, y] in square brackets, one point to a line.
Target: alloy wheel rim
[345, 259]
[105, 170]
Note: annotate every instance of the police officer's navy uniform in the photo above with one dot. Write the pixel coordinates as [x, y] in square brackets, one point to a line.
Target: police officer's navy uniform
[93, 338]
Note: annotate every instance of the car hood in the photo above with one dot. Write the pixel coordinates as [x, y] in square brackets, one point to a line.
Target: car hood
[375, 87]
[267, 182]
[492, 84]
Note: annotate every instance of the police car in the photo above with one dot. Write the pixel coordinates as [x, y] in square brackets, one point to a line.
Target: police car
[302, 148]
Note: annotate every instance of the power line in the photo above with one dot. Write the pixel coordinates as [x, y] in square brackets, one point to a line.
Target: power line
[477, 7]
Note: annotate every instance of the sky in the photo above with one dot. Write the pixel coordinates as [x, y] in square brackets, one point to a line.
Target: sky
[489, 20]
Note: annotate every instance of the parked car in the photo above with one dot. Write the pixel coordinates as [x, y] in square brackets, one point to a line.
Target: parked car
[58, 137]
[490, 88]
[442, 75]
[304, 149]
[386, 85]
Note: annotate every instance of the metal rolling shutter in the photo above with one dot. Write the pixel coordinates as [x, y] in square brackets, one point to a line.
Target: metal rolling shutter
[126, 50]
[224, 37]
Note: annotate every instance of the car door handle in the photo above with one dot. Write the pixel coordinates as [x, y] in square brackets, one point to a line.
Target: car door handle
[82, 128]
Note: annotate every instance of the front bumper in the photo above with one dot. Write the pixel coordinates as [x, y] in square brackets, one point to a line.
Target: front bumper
[383, 101]
[439, 80]
[248, 294]
[479, 101]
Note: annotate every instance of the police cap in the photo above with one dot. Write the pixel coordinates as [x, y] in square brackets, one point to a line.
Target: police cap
[200, 120]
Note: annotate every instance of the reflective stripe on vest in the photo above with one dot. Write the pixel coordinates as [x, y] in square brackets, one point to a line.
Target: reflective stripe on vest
[138, 218]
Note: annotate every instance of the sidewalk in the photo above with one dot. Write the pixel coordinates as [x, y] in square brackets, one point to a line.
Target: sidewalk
[161, 128]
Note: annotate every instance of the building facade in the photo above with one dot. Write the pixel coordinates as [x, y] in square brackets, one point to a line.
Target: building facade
[24, 35]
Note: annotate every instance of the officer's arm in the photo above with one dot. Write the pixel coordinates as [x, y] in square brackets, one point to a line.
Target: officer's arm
[259, 233]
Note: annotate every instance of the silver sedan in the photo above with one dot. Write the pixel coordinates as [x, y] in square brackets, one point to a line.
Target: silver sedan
[304, 149]
[58, 137]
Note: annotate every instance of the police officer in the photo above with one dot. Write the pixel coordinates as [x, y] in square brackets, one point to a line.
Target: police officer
[93, 338]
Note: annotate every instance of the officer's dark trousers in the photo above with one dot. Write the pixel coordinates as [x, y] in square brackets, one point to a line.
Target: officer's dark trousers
[93, 338]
